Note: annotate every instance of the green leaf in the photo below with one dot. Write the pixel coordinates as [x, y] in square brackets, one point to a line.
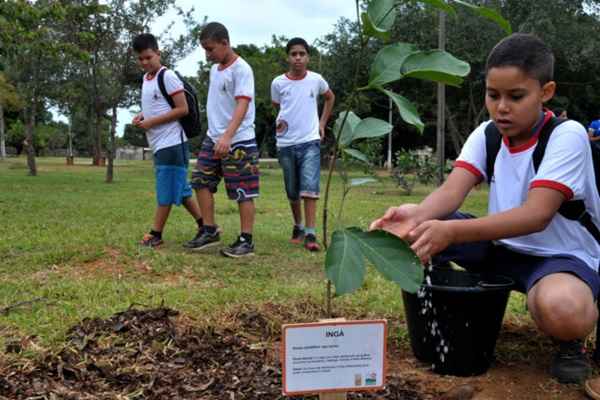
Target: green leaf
[437, 66]
[362, 181]
[348, 130]
[388, 62]
[371, 128]
[440, 5]
[344, 263]
[392, 257]
[371, 30]
[379, 18]
[488, 13]
[407, 110]
[357, 154]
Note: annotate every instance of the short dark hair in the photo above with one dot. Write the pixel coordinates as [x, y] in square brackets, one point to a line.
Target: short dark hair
[559, 110]
[144, 41]
[214, 31]
[296, 41]
[526, 52]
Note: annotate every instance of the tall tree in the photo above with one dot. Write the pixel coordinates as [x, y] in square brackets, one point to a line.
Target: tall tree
[9, 99]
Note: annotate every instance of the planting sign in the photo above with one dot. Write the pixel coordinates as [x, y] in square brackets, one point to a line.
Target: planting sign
[334, 357]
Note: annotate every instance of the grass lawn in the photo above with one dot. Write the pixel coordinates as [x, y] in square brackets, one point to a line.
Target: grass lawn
[70, 239]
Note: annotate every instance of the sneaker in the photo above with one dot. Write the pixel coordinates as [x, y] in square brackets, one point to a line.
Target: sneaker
[297, 235]
[310, 243]
[239, 248]
[570, 364]
[150, 240]
[203, 240]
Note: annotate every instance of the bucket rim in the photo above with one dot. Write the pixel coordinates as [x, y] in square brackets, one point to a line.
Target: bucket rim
[505, 284]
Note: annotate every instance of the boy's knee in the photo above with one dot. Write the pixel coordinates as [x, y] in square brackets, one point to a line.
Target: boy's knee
[563, 313]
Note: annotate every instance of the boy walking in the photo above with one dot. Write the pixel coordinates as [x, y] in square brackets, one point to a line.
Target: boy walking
[229, 150]
[299, 133]
[165, 136]
[527, 234]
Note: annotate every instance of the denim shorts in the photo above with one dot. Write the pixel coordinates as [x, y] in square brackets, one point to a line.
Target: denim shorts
[301, 164]
[171, 173]
[239, 169]
[526, 270]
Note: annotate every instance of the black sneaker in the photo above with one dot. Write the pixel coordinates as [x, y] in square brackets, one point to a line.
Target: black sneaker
[570, 363]
[149, 240]
[203, 240]
[297, 235]
[310, 243]
[240, 248]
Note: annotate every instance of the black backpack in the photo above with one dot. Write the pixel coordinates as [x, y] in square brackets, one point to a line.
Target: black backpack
[191, 122]
[574, 209]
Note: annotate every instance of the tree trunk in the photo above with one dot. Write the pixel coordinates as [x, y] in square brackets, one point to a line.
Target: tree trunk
[29, 126]
[112, 150]
[98, 140]
[457, 139]
[2, 136]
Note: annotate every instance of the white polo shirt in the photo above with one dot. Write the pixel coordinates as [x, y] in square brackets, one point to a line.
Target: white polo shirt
[297, 98]
[227, 84]
[154, 104]
[567, 167]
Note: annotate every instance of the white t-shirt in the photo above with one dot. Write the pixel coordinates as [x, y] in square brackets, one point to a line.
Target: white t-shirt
[154, 104]
[226, 86]
[567, 167]
[297, 99]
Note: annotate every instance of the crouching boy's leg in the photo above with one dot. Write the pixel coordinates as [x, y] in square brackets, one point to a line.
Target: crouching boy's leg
[241, 174]
[562, 305]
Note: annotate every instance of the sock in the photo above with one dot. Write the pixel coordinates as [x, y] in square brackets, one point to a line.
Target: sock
[156, 234]
[310, 231]
[299, 226]
[200, 222]
[211, 229]
[246, 236]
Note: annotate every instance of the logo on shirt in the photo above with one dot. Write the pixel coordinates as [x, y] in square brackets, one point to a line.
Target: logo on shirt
[224, 88]
[155, 96]
[312, 94]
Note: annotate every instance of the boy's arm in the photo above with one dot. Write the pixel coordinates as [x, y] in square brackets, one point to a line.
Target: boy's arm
[224, 143]
[442, 202]
[534, 215]
[180, 110]
[591, 135]
[327, 108]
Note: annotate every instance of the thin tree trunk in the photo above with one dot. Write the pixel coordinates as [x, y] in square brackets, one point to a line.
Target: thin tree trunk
[455, 136]
[2, 135]
[112, 149]
[98, 140]
[29, 126]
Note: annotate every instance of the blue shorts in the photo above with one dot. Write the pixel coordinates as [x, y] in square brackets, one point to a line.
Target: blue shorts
[526, 270]
[171, 172]
[301, 164]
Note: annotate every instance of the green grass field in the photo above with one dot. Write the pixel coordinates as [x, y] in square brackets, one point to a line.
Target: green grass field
[72, 240]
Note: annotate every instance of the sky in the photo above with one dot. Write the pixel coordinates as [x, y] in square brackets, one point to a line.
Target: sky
[254, 22]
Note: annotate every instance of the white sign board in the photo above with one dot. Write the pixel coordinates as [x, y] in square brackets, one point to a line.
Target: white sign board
[334, 357]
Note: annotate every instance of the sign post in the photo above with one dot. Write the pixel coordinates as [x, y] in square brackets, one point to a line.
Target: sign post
[334, 357]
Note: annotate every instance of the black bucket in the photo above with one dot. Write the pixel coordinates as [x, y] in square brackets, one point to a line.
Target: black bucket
[454, 320]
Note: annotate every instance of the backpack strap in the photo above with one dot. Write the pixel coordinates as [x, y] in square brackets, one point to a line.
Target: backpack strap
[163, 89]
[575, 209]
[493, 141]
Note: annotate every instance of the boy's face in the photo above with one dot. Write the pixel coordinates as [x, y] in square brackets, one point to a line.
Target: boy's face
[298, 58]
[514, 100]
[216, 50]
[149, 60]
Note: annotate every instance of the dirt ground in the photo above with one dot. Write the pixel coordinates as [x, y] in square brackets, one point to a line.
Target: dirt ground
[157, 354]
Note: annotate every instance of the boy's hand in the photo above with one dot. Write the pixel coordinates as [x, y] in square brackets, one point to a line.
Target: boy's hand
[223, 146]
[429, 238]
[145, 124]
[322, 131]
[399, 221]
[137, 119]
